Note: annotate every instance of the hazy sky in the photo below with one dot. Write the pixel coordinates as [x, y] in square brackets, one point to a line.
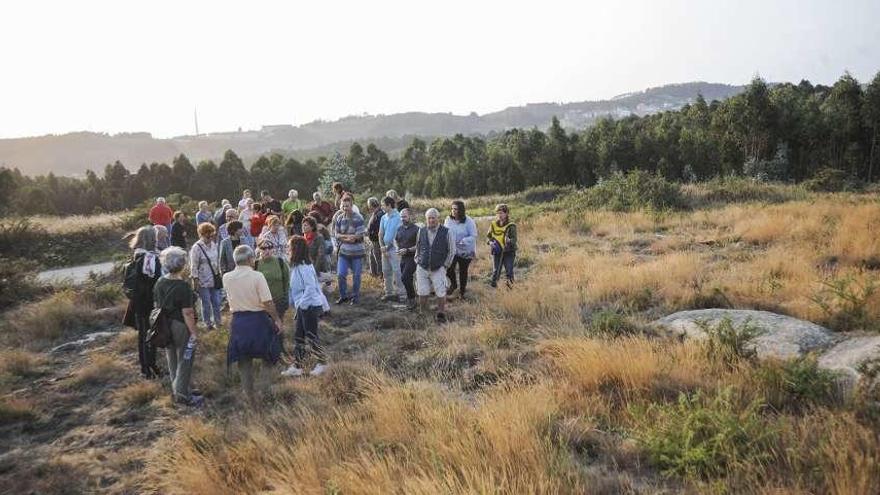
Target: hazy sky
[143, 66]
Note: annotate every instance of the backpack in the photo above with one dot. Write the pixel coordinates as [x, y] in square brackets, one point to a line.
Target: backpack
[131, 276]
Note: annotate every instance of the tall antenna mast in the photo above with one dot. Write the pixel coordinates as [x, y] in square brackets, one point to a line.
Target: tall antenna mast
[196, 118]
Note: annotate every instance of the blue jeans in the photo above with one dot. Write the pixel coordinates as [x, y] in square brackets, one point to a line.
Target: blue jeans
[210, 305]
[356, 264]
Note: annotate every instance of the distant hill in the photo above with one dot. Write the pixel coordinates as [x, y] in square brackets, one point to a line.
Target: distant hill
[74, 153]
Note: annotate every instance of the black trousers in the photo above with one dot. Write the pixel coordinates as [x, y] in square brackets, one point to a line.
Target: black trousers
[462, 264]
[307, 330]
[146, 352]
[407, 274]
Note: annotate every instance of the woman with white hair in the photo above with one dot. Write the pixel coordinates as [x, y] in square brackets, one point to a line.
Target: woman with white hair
[141, 274]
[173, 294]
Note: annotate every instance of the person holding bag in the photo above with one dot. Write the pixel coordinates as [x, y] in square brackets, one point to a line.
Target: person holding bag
[206, 276]
[174, 300]
[502, 241]
[306, 297]
[140, 276]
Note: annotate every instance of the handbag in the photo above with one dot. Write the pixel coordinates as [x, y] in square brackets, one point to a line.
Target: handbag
[218, 279]
[159, 333]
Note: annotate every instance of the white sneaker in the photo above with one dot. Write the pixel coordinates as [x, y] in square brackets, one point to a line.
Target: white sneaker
[292, 371]
[319, 369]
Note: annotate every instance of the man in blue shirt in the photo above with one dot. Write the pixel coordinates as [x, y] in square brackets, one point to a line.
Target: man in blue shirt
[388, 226]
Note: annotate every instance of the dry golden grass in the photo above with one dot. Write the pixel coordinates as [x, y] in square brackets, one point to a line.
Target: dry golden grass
[21, 363]
[78, 223]
[515, 397]
[16, 410]
[138, 394]
[100, 369]
[35, 324]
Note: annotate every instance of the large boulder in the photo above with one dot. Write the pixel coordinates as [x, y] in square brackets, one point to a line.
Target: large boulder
[848, 357]
[782, 337]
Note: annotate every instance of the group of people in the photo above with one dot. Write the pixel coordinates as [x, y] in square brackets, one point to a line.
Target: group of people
[259, 259]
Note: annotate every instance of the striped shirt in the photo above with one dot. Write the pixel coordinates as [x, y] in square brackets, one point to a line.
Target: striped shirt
[353, 225]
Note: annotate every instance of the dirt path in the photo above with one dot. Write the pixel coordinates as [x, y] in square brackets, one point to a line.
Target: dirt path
[74, 274]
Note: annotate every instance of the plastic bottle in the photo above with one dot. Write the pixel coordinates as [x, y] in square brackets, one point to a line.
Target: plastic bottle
[190, 347]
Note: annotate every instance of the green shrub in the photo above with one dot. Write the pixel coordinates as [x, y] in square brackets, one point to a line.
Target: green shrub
[636, 190]
[796, 384]
[610, 323]
[831, 180]
[729, 344]
[703, 436]
[18, 281]
[845, 303]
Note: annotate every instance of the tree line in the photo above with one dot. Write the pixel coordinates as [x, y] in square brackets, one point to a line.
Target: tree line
[770, 132]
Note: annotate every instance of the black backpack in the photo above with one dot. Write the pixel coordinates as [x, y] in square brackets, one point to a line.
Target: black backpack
[131, 276]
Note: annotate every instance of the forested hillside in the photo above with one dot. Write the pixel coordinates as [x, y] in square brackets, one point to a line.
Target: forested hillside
[782, 132]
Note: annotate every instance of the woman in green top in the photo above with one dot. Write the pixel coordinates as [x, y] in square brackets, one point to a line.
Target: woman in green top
[175, 296]
[277, 274]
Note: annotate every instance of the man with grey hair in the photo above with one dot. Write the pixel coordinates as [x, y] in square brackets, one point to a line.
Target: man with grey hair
[435, 249]
[256, 328]
[220, 213]
[161, 213]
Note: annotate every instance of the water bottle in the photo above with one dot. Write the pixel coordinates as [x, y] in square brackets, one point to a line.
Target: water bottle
[190, 347]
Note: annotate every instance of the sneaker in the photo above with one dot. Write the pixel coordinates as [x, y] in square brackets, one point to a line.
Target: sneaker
[387, 298]
[493, 284]
[292, 371]
[319, 369]
[342, 300]
[353, 301]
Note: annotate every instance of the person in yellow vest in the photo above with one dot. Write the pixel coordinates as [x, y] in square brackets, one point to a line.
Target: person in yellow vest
[502, 243]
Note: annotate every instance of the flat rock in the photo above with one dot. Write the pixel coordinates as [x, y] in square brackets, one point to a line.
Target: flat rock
[848, 356]
[782, 337]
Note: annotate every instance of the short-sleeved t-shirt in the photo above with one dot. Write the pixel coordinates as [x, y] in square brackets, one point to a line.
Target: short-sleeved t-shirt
[173, 296]
[246, 289]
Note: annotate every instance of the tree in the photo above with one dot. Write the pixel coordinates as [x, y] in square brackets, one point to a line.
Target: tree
[233, 176]
[337, 171]
[871, 115]
[183, 173]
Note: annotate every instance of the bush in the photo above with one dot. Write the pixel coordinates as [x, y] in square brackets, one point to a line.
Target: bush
[831, 180]
[846, 303]
[18, 281]
[729, 344]
[703, 436]
[741, 190]
[796, 384]
[636, 190]
[610, 323]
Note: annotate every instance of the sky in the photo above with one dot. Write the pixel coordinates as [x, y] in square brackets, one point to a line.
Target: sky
[126, 66]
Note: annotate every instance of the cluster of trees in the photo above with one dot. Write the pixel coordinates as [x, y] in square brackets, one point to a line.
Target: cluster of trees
[785, 132]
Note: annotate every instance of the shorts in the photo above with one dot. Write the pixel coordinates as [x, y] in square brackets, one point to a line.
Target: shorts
[426, 280]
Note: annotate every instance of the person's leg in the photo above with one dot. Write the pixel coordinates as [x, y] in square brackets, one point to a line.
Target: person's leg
[450, 274]
[408, 272]
[398, 290]
[388, 273]
[179, 368]
[508, 265]
[246, 370]
[171, 355]
[299, 339]
[207, 312]
[142, 324]
[496, 270]
[376, 259]
[357, 265]
[310, 324]
[215, 303]
[423, 287]
[463, 264]
[342, 276]
[438, 282]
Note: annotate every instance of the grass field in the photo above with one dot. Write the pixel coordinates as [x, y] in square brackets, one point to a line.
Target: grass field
[559, 385]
